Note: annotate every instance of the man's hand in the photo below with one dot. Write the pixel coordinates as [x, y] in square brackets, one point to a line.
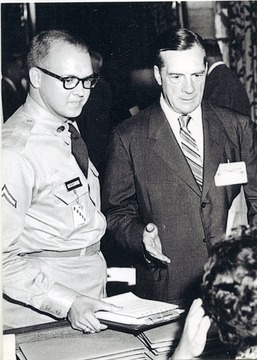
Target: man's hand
[194, 335]
[81, 314]
[153, 244]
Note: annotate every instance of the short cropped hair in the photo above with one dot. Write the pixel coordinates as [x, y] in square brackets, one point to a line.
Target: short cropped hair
[179, 39]
[230, 288]
[41, 44]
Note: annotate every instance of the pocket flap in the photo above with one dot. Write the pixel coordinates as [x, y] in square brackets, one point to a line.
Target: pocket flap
[68, 197]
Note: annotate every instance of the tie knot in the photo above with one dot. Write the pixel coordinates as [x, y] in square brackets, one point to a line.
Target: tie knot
[184, 121]
[74, 132]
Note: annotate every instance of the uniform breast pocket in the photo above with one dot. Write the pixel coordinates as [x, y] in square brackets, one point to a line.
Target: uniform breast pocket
[65, 194]
[71, 207]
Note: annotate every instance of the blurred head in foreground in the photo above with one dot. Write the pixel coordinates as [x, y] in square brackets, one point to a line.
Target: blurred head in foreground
[230, 288]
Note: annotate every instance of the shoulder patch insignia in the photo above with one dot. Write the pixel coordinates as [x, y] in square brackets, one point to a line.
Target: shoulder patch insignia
[8, 196]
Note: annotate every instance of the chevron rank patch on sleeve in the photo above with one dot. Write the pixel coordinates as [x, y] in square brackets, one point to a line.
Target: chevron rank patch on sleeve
[8, 196]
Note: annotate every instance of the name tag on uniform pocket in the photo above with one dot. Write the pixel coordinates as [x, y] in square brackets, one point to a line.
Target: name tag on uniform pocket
[73, 184]
[231, 174]
[79, 214]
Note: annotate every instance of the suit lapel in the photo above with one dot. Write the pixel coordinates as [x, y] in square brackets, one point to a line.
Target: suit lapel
[214, 140]
[168, 149]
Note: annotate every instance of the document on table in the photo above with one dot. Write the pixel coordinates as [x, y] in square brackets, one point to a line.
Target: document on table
[163, 339]
[139, 312]
[106, 345]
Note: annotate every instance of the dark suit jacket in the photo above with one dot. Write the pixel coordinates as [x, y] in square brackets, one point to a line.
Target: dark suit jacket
[11, 99]
[223, 88]
[148, 180]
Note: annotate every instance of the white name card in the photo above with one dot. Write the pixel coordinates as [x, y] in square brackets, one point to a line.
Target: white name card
[231, 173]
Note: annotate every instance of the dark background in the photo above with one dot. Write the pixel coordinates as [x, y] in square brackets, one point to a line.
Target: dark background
[122, 32]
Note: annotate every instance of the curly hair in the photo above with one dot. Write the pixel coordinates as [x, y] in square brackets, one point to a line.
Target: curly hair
[230, 288]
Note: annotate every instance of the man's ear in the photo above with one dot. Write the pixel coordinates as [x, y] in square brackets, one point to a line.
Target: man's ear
[157, 75]
[35, 77]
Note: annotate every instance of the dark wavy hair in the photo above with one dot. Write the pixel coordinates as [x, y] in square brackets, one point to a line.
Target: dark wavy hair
[230, 288]
[178, 39]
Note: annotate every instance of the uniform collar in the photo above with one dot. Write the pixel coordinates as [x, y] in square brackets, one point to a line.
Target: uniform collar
[42, 116]
[48, 121]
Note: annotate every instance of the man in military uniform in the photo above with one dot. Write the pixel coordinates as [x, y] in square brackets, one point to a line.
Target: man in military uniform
[52, 223]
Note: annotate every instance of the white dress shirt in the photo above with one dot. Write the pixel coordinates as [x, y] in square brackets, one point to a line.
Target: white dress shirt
[195, 125]
[213, 66]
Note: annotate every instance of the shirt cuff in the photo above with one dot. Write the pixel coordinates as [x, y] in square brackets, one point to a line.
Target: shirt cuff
[59, 300]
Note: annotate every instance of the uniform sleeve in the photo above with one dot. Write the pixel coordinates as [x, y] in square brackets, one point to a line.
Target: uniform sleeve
[119, 200]
[22, 281]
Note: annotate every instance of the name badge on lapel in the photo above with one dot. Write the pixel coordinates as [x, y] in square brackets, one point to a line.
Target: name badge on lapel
[231, 174]
[73, 184]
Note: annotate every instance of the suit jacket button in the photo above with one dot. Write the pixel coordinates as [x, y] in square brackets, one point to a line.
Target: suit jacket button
[203, 204]
[204, 240]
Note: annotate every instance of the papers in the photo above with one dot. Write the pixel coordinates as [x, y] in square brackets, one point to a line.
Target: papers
[106, 345]
[162, 340]
[137, 311]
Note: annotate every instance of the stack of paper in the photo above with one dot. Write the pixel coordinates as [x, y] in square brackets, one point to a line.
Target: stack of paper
[162, 340]
[106, 345]
[137, 313]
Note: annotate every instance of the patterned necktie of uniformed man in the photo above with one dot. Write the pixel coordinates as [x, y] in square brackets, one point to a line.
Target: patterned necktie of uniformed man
[190, 150]
[79, 149]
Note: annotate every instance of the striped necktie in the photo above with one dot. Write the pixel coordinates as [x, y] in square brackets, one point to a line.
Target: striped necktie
[190, 150]
[79, 149]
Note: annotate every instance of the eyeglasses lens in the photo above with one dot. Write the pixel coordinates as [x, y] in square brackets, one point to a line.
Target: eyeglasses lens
[88, 83]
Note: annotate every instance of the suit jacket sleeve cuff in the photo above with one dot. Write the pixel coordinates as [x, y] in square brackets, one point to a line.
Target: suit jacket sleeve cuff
[149, 260]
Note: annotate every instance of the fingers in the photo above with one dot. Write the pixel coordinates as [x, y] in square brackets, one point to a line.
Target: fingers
[196, 304]
[152, 243]
[194, 316]
[88, 330]
[82, 314]
[197, 320]
[204, 326]
[150, 228]
[157, 255]
[110, 307]
[201, 335]
[194, 335]
[88, 324]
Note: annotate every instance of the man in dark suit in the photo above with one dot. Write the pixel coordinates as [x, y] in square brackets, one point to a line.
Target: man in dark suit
[164, 213]
[13, 92]
[223, 87]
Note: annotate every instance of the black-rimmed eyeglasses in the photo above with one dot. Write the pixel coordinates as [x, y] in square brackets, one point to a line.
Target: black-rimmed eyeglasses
[70, 82]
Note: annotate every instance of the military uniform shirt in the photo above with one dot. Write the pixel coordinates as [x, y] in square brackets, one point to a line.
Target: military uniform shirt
[47, 204]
